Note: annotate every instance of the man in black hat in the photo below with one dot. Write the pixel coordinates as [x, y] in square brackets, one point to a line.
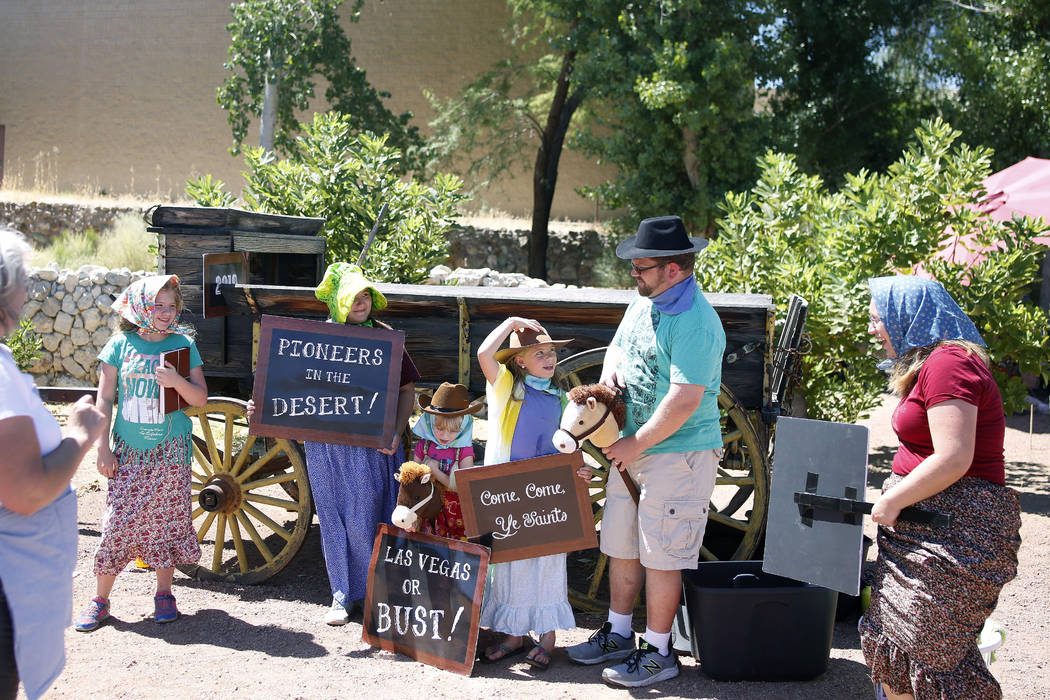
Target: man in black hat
[666, 359]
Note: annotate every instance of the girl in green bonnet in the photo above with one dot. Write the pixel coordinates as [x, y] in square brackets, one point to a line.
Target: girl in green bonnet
[354, 487]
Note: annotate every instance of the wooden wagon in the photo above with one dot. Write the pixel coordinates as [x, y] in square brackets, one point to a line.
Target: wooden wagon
[264, 512]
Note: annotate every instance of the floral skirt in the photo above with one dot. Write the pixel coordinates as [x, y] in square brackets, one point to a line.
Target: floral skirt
[148, 509]
[935, 587]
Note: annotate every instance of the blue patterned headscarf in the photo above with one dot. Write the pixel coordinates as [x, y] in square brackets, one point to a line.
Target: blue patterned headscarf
[917, 312]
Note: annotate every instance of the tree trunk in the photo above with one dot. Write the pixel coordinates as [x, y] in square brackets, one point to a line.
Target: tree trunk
[545, 172]
[268, 119]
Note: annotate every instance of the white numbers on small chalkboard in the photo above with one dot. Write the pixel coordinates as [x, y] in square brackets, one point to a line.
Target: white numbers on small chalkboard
[224, 279]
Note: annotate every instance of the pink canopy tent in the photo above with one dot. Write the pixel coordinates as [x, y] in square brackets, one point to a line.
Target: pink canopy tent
[1023, 189]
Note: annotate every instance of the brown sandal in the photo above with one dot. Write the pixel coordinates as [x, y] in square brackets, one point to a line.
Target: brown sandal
[504, 651]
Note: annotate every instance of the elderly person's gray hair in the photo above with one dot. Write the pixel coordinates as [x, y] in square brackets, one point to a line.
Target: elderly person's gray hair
[14, 254]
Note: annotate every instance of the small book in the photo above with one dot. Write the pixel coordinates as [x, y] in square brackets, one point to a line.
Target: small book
[171, 400]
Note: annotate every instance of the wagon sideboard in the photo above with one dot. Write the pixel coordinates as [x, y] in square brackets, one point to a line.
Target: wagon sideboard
[443, 326]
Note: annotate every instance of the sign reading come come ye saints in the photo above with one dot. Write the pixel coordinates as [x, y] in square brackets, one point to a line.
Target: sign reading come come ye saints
[531, 507]
[327, 382]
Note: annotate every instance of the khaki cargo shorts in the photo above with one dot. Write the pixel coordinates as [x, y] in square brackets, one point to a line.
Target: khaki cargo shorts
[665, 529]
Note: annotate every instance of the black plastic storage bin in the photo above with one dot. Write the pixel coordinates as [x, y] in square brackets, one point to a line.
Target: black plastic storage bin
[750, 625]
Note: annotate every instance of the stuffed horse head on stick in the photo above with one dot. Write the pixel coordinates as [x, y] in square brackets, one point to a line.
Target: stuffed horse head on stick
[594, 412]
[419, 499]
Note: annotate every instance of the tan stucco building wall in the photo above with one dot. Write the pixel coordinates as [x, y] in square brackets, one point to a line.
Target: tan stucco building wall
[119, 95]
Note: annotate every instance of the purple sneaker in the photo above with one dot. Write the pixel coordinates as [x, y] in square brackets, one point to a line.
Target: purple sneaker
[94, 615]
[164, 609]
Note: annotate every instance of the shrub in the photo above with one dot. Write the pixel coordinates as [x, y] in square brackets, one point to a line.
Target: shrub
[790, 234]
[346, 178]
[24, 344]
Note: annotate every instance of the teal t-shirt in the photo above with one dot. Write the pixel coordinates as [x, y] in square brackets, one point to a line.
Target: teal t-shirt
[659, 349]
[139, 421]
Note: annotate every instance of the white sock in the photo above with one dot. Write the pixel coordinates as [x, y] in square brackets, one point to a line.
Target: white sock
[660, 641]
[621, 624]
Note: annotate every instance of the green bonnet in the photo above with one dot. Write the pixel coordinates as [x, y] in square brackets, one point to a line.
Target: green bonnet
[342, 282]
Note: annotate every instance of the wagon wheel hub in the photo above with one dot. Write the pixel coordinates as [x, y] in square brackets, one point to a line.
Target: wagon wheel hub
[222, 493]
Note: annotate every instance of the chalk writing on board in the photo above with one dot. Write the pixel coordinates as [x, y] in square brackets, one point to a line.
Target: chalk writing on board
[220, 270]
[327, 382]
[424, 597]
[530, 507]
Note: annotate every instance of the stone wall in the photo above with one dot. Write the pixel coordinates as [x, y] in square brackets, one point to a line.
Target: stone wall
[43, 222]
[70, 310]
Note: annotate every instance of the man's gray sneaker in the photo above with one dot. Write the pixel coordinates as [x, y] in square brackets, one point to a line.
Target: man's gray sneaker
[603, 645]
[644, 667]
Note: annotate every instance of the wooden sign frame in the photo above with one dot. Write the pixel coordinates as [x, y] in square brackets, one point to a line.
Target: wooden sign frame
[464, 666]
[263, 420]
[212, 307]
[559, 537]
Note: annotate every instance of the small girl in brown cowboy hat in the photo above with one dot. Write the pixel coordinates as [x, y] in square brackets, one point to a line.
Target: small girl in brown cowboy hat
[445, 431]
[524, 409]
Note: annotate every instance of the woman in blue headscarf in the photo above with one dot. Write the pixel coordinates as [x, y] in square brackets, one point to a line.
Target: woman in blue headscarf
[934, 587]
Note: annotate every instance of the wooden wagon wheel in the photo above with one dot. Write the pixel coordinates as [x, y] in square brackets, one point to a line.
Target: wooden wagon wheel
[738, 506]
[258, 496]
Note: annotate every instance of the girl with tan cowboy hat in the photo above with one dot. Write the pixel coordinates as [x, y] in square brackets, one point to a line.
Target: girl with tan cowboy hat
[445, 431]
[524, 410]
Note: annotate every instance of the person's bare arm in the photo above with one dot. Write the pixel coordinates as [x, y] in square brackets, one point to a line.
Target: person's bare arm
[106, 461]
[493, 341]
[29, 480]
[671, 414]
[953, 429]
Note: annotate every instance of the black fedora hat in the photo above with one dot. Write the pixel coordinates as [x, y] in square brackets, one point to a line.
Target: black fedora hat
[659, 237]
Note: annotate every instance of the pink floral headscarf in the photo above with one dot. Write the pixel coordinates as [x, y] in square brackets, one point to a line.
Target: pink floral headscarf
[136, 304]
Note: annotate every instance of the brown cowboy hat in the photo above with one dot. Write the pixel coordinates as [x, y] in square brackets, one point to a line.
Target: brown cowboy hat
[524, 339]
[450, 400]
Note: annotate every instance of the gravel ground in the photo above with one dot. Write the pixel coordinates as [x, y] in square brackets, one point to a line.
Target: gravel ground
[268, 640]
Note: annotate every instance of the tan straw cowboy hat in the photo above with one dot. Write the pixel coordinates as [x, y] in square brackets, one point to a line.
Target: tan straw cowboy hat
[525, 339]
[450, 400]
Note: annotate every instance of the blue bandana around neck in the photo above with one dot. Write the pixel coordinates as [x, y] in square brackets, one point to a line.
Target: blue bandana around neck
[424, 429]
[676, 299]
[917, 312]
[539, 384]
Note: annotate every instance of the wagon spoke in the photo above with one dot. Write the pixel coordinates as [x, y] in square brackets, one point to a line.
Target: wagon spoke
[266, 520]
[732, 437]
[707, 555]
[727, 521]
[220, 543]
[260, 544]
[735, 481]
[201, 479]
[227, 445]
[238, 544]
[261, 462]
[209, 438]
[277, 479]
[203, 529]
[596, 577]
[243, 455]
[194, 486]
[201, 459]
[270, 501]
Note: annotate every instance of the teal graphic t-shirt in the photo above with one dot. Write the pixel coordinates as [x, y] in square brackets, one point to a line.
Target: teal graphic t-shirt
[139, 421]
[658, 349]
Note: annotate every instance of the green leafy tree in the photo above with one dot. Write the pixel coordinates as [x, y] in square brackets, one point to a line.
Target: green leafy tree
[521, 106]
[992, 60]
[673, 85]
[334, 172]
[278, 49]
[791, 234]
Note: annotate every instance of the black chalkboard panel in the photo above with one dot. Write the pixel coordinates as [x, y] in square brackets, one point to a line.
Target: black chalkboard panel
[222, 269]
[531, 507]
[327, 382]
[424, 597]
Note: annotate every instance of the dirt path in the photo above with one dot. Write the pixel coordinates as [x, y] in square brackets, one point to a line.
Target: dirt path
[268, 640]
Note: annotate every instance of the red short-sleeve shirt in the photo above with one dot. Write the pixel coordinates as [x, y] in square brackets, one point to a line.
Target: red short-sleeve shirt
[950, 373]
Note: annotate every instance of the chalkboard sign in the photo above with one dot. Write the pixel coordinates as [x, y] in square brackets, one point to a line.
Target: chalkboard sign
[221, 270]
[327, 382]
[424, 597]
[531, 507]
